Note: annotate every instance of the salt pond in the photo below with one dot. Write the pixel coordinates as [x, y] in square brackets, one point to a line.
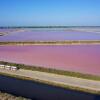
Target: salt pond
[48, 35]
[78, 58]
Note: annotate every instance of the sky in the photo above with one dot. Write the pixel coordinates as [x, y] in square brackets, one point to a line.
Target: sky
[49, 12]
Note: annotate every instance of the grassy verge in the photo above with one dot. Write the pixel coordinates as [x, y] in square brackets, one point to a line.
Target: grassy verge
[49, 70]
[66, 42]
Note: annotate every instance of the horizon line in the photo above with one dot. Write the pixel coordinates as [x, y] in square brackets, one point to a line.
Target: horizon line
[46, 26]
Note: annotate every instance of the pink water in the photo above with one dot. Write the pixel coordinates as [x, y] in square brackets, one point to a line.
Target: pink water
[48, 36]
[78, 58]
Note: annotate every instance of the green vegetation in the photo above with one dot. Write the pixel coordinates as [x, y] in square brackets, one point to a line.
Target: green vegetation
[6, 96]
[66, 42]
[56, 71]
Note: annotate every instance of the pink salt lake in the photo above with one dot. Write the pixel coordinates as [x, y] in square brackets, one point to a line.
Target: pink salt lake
[78, 58]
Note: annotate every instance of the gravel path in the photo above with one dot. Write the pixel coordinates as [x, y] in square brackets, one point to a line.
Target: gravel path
[58, 79]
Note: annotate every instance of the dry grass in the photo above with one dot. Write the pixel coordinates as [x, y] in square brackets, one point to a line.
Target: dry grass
[66, 42]
[6, 96]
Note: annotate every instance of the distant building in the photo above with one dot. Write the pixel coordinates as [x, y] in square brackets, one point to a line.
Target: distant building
[2, 66]
[7, 67]
[13, 68]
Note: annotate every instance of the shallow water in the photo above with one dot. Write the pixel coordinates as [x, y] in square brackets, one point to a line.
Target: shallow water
[47, 35]
[6, 30]
[78, 58]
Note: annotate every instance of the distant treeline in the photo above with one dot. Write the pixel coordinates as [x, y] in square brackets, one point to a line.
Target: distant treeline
[69, 42]
[50, 70]
[7, 27]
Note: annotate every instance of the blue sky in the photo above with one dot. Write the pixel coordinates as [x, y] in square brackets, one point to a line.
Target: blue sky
[49, 12]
